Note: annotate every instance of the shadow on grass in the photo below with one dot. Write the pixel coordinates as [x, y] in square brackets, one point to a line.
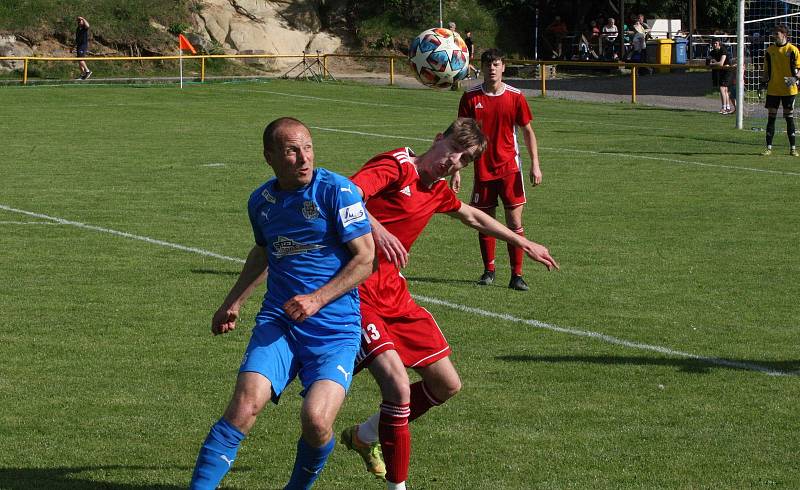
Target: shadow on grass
[215, 272]
[69, 478]
[695, 366]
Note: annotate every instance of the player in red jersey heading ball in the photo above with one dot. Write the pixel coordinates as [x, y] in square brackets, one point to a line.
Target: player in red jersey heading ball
[402, 192]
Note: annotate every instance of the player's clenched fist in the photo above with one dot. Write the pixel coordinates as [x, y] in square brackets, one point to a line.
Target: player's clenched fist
[223, 321]
[302, 306]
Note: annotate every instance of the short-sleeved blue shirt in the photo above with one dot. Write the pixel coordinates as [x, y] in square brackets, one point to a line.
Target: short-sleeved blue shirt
[305, 232]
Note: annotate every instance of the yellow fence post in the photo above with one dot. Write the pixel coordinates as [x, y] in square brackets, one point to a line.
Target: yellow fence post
[325, 65]
[391, 70]
[543, 70]
[25, 71]
[633, 85]
[202, 69]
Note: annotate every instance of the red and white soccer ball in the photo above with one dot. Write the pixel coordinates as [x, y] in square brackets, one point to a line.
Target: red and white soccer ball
[439, 58]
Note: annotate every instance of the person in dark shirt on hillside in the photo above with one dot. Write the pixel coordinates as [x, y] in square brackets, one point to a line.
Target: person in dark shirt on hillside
[471, 50]
[82, 46]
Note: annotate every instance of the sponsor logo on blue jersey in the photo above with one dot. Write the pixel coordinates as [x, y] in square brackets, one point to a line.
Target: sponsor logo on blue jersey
[283, 246]
[352, 214]
[269, 197]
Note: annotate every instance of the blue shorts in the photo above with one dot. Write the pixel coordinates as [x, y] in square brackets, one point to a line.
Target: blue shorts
[280, 350]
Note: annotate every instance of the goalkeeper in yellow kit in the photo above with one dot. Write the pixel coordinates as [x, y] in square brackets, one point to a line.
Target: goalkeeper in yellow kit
[781, 67]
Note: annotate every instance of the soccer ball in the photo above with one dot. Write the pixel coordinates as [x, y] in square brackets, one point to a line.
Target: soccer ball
[439, 58]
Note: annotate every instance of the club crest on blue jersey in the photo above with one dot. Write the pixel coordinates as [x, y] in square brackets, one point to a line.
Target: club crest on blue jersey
[283, 246]
[310, 210]
[269, 197]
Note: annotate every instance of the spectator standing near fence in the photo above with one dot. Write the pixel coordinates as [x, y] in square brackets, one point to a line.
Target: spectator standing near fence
[82, 46]
[781, 66]
[471, 51]
[719, 60]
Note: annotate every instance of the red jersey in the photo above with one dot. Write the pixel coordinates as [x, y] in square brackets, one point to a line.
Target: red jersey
[498, 114]
[397, 198]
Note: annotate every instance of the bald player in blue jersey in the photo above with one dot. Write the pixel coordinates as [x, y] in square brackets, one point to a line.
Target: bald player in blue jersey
[313, 244]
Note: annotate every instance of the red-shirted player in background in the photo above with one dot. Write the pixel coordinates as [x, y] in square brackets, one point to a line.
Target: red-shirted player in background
[402, 192]
[498, 172]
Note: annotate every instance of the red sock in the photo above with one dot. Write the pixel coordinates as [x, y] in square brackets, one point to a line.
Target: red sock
[395, 440]
[421, 400]
[487, 251]
[516, 255]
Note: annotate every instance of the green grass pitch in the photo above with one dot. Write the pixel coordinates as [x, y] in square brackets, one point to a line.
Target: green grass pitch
[678, 292]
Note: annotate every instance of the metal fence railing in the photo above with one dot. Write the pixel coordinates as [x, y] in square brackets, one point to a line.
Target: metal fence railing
[323, 60]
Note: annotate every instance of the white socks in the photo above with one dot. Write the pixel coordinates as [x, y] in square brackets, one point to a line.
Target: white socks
[368, 431]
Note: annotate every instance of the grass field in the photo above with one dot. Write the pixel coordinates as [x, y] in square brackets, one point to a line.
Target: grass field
[663, 355]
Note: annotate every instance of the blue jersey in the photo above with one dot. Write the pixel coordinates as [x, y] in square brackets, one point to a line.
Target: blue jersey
[304, 232]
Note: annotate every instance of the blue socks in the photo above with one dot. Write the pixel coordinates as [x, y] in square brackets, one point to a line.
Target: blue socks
[308, 464]
[219, 451]
[216, 456]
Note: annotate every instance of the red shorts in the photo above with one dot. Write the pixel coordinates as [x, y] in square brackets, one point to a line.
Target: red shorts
[510, 189]
[415, 336]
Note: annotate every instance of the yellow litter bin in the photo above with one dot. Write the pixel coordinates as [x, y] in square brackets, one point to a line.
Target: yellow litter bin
[660, 51]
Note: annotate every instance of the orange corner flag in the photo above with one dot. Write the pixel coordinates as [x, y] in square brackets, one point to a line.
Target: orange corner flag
[184, 44]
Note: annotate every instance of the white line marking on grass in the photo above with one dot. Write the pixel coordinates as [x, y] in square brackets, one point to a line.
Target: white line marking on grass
[672, 160]
[213, 165]
[426, 299]
[603, 337]
[121, 233]
[361, 133]
[599, 153]
[28, 223]
[328, 99]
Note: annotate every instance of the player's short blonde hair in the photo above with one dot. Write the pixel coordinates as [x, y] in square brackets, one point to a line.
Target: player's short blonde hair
[467, 134]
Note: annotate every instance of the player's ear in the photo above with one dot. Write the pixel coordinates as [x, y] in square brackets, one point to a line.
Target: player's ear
[439, 136]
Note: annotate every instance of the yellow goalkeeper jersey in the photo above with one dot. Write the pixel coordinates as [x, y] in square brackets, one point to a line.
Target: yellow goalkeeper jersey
[781, 61]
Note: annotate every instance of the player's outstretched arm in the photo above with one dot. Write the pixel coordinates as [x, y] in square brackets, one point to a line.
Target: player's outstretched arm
[253, 273]
[357, 270]
[477, 219]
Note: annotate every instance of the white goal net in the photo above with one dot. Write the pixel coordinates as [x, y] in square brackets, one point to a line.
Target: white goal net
[760, 19]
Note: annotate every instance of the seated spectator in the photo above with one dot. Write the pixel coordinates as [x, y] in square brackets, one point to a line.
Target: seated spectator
[638, 40]
[609, 34]
[554, 35]
[641, 27]
[595, 32]
[588, 42]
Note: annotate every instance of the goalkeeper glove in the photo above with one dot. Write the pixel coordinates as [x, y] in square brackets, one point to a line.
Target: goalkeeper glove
[789, 81]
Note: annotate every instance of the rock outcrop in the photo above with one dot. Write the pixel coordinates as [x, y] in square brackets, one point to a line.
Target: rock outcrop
[227, 26]
[11, 46]
[264, 27]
